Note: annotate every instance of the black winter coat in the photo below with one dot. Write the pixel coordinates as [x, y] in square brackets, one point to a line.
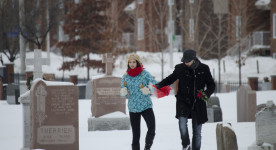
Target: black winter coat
[190, 81]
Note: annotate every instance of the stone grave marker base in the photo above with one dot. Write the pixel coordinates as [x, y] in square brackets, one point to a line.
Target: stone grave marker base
[106, 124]
[262, 147]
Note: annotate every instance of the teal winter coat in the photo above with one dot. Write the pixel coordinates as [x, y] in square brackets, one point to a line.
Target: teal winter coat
[137, 101]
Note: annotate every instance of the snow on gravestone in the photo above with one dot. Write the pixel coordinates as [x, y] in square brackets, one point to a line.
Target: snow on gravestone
[54, 116]
[265, 124]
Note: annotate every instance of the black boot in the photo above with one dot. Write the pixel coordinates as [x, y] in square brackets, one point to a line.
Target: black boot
[135, 147]
[147, 147]
[149, 141]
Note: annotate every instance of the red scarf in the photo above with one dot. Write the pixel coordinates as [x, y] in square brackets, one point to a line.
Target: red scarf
[134, 72]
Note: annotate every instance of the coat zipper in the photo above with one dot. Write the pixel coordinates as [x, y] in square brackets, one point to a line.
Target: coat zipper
[194, 91]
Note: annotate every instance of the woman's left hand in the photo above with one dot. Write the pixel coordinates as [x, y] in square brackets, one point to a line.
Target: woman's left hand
[145, 90]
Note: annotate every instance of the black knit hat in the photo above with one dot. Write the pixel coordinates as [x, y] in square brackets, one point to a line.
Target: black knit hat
[188, 55]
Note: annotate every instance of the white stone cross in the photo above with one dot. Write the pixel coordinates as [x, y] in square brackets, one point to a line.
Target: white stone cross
[108, 60]
[37, 61]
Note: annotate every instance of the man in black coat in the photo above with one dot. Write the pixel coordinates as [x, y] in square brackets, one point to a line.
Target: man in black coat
[193, 77]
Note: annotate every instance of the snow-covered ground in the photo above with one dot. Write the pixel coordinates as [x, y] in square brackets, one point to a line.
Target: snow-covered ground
[167, 133]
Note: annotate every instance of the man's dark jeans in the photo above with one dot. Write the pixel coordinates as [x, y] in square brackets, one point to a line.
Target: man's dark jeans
[135, 121]
[196, 141]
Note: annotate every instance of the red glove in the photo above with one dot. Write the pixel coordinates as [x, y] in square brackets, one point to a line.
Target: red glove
[164, 91]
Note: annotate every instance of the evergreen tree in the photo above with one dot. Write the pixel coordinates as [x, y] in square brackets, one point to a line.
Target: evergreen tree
[85, 24]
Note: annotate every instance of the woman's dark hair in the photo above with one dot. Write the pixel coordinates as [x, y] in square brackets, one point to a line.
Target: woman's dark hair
[138, 65]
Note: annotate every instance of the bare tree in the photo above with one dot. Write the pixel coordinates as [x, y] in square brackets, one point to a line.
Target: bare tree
[39, 18]
[204, 25]
[8, 29]
[118, 23]
[244, 19]
[156, 23]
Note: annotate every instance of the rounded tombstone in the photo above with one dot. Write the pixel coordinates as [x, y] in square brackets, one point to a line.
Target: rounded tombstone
[213, 100]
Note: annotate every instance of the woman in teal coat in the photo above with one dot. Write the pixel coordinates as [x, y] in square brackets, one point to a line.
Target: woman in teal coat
[136, 85]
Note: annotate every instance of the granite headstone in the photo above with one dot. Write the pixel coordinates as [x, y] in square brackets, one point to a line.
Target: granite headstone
[1, 89]
[108, 60]
[37, 62]
[88, 90]
[246, 104]
[13, 94]
[81, 88]
[226, 137]
[266, 124]
[24, 99]
[4, 74]
[214, 111]
[106, 96]
[106, 100]
[54, 116]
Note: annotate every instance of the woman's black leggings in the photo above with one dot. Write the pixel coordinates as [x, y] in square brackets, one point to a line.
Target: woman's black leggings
[135, 121]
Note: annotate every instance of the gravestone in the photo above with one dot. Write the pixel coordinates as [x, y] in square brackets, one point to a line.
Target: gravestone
[28, 74]
[1, 89]
[273, 82]
[266, 124]
[24, 99]
[226, 137]
[29, 79]
[246, 104]
[108, 60]
[23, 87]
[5, 91]
[225, 88]
[260, 107]
[88, 90]
[74, 79]
[12, 94]
[266, 86]
[214, 111]
[106, 96]
[4, 74]
[54, 116]
[253, 83]
[49, 77]
[265, 127]
[106, 99]
[37, 61]
[10, 72]
[81, 89]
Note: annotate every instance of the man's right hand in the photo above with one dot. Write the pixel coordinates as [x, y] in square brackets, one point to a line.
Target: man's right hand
[157, 86]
